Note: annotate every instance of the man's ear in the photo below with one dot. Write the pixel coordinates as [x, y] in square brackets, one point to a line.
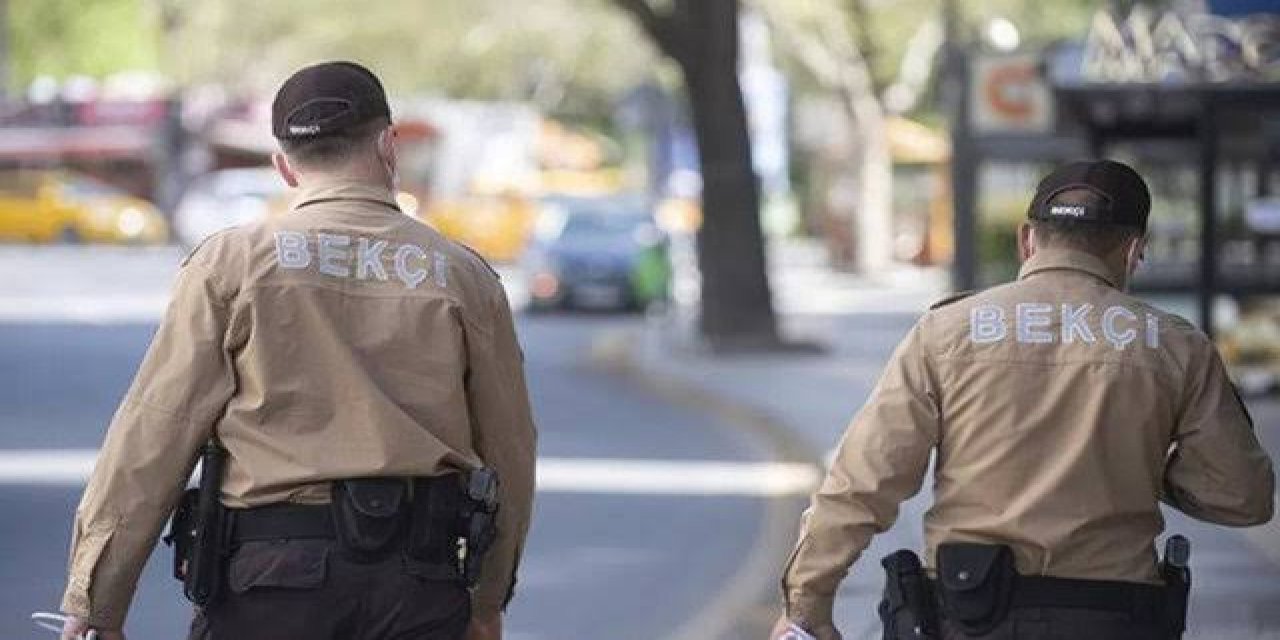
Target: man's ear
[286, 172]
[1026, 241]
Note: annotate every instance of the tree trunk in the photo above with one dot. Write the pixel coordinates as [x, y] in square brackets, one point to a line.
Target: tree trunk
[701, 36]
[737, 308]
[874, 221]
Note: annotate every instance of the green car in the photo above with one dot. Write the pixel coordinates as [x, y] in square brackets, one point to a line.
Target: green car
[597, 253]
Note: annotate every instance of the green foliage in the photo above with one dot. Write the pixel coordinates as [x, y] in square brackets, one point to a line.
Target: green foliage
[1038, 22]
[569, 56]
[997, 250]
[893, 23]
[79, 37]
[566, 55]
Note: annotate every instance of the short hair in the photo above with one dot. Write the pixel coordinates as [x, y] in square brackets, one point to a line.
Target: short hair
[335, 149]
[1097, 238]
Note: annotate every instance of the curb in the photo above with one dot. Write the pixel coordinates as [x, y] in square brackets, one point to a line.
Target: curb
[749, 601]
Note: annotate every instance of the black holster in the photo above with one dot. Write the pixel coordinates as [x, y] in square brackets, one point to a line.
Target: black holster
[1176, 573]
[478, 520]
[199, 532]
[907, 610]
[976, 584]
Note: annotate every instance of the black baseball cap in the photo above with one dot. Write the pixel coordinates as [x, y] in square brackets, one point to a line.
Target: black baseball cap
[1116, 195]
[326, 99]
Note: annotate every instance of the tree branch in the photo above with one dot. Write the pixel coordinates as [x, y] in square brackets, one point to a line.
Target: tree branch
[663, 29]
[916, 67]
[819, 61]
[828, 52]
[860, 27]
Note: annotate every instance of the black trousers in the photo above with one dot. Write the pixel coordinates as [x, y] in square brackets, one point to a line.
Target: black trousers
[309, 590]
[1064, 624]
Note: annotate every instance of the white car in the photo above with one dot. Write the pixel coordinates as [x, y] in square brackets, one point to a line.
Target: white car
[225, 198]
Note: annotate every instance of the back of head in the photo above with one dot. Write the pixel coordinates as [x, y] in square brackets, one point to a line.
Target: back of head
[328, 114]
[1091, 206]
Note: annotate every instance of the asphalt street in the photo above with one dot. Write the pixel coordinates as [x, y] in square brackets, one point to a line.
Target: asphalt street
[637, 562]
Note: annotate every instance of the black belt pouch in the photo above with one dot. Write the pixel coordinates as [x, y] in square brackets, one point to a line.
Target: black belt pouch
[369, 514]
[977, 582]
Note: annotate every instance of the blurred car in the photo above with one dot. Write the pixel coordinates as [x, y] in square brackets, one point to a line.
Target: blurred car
[600, 253]
[226, 198]
[55, 205]
[1252, 348]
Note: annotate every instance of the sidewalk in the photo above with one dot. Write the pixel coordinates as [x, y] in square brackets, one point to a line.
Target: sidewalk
[812, 397]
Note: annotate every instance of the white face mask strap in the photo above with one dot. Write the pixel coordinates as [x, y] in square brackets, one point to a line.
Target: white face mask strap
[1134, 258]
[386, 143]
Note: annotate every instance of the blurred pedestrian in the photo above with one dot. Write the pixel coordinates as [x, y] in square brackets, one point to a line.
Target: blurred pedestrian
[358, 373]
[1059, 412]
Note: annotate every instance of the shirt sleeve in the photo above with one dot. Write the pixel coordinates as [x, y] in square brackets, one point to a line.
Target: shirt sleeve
[880, 462]
[1217, 470]
[181, 389]
[506, 440]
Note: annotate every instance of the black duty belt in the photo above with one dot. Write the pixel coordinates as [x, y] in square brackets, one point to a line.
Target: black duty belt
[1099, 595]
[429, 531]
[282, 521]
[1143, 601]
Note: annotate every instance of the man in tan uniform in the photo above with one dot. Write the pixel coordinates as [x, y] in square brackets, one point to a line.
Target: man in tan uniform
[1060, 412]
[341, 340]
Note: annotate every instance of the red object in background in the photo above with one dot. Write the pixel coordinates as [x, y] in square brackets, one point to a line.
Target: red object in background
[1007, 92]
[97, 113]
[53, 144]
[415, 131]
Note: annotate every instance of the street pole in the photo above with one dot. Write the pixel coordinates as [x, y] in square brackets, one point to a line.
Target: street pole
[1208, 169]
[964, 171]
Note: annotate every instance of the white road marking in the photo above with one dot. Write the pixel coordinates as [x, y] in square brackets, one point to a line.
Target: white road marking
[555, 475]
[104, 309]
[672, 477]
[46, 466]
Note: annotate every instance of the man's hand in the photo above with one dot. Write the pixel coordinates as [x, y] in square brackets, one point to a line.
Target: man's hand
[78, 629]
[827, 632]
[485, 628]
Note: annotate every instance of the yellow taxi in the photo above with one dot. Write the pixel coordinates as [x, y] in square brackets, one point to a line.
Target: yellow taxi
[51, 206]
[1251, 347]
[498, 226]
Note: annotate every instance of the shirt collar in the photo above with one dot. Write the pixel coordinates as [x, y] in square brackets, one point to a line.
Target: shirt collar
[344, 190]
[1070, 260]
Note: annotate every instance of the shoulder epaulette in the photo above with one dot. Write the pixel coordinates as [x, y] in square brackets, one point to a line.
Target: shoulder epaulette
[481, 258]
[955, 297]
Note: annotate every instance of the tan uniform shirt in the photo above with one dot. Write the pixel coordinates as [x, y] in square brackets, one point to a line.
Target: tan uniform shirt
[1061, 411]
[343, 339]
